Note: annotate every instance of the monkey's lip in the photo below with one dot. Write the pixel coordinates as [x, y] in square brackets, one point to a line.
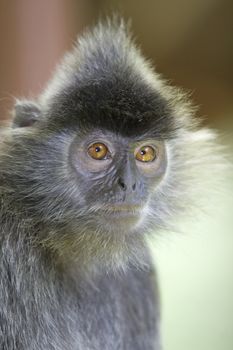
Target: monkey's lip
[122, 210]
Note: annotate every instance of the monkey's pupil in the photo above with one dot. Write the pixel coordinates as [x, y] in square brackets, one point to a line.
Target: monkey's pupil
[97, 149]
[143, 152]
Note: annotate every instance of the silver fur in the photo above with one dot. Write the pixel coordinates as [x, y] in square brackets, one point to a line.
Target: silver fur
[66, 283]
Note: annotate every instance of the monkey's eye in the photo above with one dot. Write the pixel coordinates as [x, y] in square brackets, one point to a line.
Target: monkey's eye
[145, 154]
[98, 151]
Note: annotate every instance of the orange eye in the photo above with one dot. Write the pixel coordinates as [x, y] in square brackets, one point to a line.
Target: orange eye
[98, 151]
[146, 154]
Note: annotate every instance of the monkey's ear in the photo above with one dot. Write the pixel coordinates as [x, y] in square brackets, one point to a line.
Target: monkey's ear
[26, 113]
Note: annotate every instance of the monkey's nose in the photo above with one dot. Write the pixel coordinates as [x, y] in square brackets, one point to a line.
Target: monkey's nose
[123, 185]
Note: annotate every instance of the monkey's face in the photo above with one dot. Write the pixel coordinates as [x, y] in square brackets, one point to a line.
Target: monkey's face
[117, 176]
[91, 193]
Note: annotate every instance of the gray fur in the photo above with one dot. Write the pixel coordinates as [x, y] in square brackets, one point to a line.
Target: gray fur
[26, 114]
[67, 280]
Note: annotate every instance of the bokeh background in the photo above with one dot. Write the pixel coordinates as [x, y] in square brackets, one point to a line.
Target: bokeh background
[191, 44]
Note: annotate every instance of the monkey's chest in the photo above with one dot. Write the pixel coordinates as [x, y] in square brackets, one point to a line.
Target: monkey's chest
[118, 314]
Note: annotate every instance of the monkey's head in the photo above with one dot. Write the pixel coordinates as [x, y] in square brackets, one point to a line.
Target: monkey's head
[107, 153]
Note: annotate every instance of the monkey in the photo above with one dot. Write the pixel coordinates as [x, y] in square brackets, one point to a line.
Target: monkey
[106, 156]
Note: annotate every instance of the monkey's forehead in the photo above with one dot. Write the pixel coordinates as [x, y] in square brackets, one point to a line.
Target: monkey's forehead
[117, 104]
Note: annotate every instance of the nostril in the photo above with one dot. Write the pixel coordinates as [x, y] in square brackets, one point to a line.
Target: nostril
[122, 184]
[134, 187]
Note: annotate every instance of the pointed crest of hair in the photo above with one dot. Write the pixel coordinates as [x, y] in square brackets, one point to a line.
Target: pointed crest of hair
[106, 48]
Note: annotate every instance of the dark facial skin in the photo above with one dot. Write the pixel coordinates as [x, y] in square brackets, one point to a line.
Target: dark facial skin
[118, 184]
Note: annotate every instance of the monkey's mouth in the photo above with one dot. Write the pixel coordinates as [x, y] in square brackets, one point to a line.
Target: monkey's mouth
[122, 211]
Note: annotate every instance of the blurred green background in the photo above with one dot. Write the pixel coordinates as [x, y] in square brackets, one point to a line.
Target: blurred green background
[191, 44]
